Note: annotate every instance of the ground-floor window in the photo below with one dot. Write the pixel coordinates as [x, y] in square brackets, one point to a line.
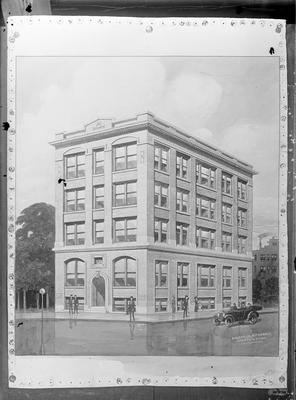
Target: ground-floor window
[226, 302]
[179, 303]
[120, 303]
[80, 302]
[161, 304]
[242, 301]
[207, 303]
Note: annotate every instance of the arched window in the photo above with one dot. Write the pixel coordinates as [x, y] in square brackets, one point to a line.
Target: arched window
[75, 272]
[124, 272]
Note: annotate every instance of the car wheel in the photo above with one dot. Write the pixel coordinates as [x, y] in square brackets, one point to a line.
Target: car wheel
[228, 321]
[217, 322]
[253, 318]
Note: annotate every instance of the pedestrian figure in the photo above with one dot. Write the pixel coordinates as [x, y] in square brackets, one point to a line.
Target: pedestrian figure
[173, 303]
[76, 305]
[185, 306]
[131, 308]
[196, 304]
[71, 305]
[234, 307]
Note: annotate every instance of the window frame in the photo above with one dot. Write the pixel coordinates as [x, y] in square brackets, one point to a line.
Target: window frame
[125, 156]
[127, 274]
[199, 238]
[183, 227]
[95, 152]
[75, 224]
[95, 197]
[225, 244]
[181, 275]
[184, 166]
[125, 193]
[95, 222]
[158, 160]
[240, 246]
[226, 177]
[211, 277]
[125, 228]
[242, 215]
[76, 165]
[159, 274]
[212, 175]
[182, 193]
[226, 278]
[211, 208]
[75, 190]
[160, 195]
[76, 273]
[240, 190]
[227, 214]
[160, 230]
[241, 278]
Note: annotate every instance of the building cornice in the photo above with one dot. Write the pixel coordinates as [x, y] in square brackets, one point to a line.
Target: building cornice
[155, 125]
[165, 249]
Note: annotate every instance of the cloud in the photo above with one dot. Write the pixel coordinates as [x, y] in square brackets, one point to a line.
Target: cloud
[191, 99]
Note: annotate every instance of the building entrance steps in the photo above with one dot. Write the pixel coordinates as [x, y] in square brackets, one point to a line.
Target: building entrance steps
[139, 318]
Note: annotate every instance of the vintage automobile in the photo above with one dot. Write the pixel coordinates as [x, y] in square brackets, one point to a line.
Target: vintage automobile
[232, 315]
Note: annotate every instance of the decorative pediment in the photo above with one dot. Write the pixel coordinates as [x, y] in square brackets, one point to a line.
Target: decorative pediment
[100, 123]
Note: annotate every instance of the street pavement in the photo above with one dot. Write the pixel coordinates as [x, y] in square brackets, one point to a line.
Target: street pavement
[190, 337]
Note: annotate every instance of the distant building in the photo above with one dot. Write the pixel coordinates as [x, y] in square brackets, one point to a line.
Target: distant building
[150, 212]
[266, 261]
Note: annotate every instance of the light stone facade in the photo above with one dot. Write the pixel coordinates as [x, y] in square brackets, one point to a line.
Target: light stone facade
[88, 269]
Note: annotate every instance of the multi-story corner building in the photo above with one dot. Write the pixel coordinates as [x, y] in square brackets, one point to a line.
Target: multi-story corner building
[149, 211]
[266, 261]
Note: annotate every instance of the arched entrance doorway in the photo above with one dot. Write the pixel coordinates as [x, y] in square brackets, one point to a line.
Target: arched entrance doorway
[98, 292]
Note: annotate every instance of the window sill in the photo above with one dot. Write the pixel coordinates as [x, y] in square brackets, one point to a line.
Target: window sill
[124, 287]
[161, 208]
[182, 179]
[161, 287]
[161, 172]
[74, 212]
[124, 170]
[183, 213]
[74, 179]
[207, 219]
[125, 206]
[242, 227]
[227, 223]
[101, 174]
[227, 194]
[206, 187]
[98, 209]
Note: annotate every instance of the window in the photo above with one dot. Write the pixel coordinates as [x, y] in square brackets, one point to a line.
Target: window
[262, 257]
[242, 277]
[205, 238]
[182, 166]
[226, 183]
[125, 194]
[242, 218]
[80, 302]
[75, 273]
[206, 275]
[75, 200]
[227, 277]
[241, 190]
[226, 241]
[242, 245]
[205, 175]
[205, 207]
[98, 161]
[273, 257]
[99, 231]
[182, 234]
[160, 230]
[182, 200]
[125, 229]
[75, 166]
[124, 272]
[226, 213]
[226, 302]
[161, 194]
[125, 156]
[161, 273]
[120, 303]
[99, 261]
[98, 197]
[161, 304]
[206, 303]
[75, 233]
[182, 274]
[242, 301]
[161, 158]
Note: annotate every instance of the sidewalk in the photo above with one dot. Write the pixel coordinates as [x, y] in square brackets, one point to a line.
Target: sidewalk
[140, 318]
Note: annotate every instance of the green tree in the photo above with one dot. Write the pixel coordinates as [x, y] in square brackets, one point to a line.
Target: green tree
[35, 237]
[271, 289]
[257, 290]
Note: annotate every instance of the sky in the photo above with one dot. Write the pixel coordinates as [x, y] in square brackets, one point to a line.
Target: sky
[230, 102]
